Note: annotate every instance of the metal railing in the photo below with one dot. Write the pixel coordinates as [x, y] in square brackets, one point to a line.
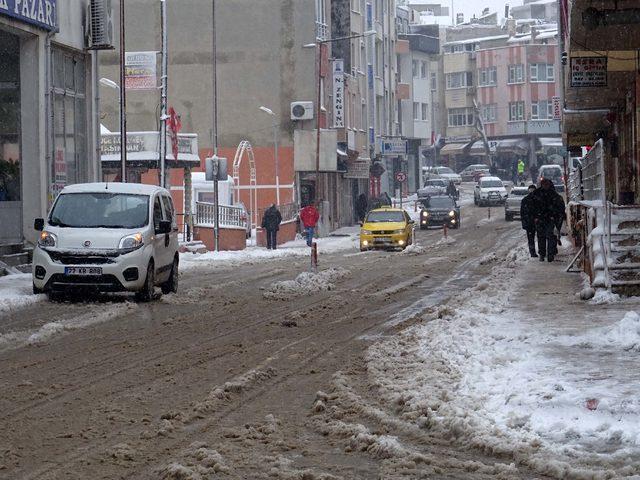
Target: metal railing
[593, 181]
[229, 216]
[322, 31]
[289, 212]
[574, 187]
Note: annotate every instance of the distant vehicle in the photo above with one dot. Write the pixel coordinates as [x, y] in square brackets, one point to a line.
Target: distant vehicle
[386, 228]
[513, 201]
[489, 191]
[435, 186]
[553, 173]
[443, 172]
[439, 210]
[108, 237]
[478, 174]
[468, 174]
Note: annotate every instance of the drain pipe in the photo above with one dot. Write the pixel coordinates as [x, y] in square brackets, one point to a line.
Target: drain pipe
[48, 127]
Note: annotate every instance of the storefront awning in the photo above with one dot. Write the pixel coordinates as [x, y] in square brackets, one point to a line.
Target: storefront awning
[453, 149]
[477, 149]
[143, 150]
[550, 142]
[513, 145]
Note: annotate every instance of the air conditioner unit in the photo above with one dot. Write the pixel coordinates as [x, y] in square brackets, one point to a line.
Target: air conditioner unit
[99, 25]
[301, 110]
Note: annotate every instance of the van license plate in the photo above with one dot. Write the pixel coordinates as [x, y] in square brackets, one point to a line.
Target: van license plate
[83, 271]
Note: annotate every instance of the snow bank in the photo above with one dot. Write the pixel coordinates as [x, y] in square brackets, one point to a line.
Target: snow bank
[16, 292]
[481, 371]
[306, 283]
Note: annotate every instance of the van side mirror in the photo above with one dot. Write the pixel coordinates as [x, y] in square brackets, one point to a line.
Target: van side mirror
[164, 227]
[38, 224]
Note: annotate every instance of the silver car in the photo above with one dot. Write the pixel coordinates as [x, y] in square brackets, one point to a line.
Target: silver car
[435, 186]
[512, 204]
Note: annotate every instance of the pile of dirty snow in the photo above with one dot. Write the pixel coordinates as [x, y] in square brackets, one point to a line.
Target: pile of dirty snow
[306, 283]
[16, 292]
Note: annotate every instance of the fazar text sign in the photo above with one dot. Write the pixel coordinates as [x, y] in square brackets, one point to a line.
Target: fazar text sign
[41, 13]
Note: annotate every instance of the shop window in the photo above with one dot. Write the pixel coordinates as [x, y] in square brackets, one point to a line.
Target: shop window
[10, 121]
[69, 163]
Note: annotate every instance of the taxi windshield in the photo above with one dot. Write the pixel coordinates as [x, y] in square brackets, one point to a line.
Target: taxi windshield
[385, 216]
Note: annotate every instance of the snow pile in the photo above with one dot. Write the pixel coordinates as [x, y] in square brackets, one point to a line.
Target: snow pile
[16, 292]
[414, 249]
[479, 370]
[306, 283]
[604, 296]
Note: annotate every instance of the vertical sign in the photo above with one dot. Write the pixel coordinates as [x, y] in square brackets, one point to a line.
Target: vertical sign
[140, 71]
[557, 110]
[371, 96]
[338, 93]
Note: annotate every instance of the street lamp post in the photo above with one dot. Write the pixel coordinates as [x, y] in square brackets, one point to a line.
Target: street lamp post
[123, 98]
[318, 46]
[268, 111]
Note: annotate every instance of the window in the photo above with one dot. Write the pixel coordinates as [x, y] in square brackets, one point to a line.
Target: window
[459, 80]
[487, 76]
[542, 110]
[157, 213]
[516, 111]
[542, 72]
[460, 117]
[423, 69]
[424, 111]
[457, 48]
[516, 73]
[167, 203]
[414, 65]
[416, 111]
[489, 112]
[434, 81]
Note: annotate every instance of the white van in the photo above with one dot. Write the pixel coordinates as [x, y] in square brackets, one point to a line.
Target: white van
[108, 237]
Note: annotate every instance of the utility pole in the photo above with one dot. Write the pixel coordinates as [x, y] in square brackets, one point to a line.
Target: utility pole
[214, 79]
[163, 100]
[123, 98]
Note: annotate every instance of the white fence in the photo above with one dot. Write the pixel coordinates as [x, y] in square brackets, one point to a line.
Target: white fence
[229, 216]
[593, 173]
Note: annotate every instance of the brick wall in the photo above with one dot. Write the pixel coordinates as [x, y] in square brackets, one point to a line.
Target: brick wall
[230, 238]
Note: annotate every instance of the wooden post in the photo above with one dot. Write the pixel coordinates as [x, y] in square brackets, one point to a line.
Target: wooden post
[314, 257]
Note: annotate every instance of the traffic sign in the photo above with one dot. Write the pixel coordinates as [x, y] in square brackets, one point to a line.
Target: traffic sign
[401, 177]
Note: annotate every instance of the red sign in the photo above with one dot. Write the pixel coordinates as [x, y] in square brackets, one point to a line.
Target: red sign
[401, 177]
[175, 125]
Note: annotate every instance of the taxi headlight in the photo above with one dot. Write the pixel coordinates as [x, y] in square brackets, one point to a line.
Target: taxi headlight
[47, 239]
[452, 213]
[131, 242]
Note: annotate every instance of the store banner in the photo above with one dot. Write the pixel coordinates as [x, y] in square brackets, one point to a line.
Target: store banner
[41, 13]
[338, 93]
[140, 70]
[588, 71]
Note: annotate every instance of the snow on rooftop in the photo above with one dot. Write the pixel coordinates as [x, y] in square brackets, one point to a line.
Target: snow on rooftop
[113, 187]
[477, 40]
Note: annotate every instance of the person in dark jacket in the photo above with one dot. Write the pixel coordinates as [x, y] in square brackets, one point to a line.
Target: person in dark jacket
[361, 207]
[271, 223]
[549, 213]
[526, 217]
[385, 199]
[452, 191]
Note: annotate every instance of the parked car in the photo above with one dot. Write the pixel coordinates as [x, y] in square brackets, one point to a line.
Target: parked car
[108, 237]
[468, 174]
[435, 186]
[553, 173]
[443, 172]
[513, 201]
[489, 191]
[478, 174]
[439, 210]
[386, 228]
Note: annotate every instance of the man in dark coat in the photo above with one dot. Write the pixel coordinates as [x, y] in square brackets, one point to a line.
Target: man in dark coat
[271, 223]
[549, 213]
[526, 217]
[452, 191]
[361, 207]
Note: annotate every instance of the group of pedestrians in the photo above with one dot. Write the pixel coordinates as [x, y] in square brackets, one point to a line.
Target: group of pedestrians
[542, 212]
[272, 219]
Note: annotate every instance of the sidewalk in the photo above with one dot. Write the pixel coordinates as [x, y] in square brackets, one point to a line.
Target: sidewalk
[521, 366]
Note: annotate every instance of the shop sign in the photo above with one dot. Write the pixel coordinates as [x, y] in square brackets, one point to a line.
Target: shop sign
[41, 13]
[588, 71]
[358, 168]
[543, 126]
[140, 70]
[580, 139]
[338, 93]
[110, 144]
[557, 108]
[393, 146]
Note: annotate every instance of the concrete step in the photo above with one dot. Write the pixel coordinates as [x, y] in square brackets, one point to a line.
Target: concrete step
[624, 275]
[15, 259]
[9, 248]
[624, 266]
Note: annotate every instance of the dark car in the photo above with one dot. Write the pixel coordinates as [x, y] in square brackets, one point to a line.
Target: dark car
[439, 210]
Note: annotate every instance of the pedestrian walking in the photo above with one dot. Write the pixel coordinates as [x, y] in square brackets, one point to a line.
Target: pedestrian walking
[309, 216]
[452, 191]
[361, 207]
[385, 199]
[527, 219]
[549, 212]
[271, 223]
[521, 170]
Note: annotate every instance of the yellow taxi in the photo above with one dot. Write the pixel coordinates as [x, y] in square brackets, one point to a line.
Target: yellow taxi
[386, 228]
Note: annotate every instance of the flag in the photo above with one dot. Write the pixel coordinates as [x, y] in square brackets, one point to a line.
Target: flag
[175, 125]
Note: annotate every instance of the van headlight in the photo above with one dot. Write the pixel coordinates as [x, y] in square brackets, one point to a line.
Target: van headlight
[452, 213]
[47, 239]
[131, 242]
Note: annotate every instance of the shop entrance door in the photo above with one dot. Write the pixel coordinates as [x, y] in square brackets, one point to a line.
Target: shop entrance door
[10, 154]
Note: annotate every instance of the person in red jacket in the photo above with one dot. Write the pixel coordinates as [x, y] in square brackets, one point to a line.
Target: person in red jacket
[309, 216]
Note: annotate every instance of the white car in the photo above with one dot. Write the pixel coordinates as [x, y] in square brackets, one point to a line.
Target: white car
[108, 237]
[436, 186]
[445, 173]
[513, 202]
[489, 191]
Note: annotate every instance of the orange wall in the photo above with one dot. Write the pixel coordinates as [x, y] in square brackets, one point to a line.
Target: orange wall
[286, 233]
[230, 238]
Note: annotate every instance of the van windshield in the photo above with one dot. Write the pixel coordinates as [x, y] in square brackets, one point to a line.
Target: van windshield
[100, 210]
